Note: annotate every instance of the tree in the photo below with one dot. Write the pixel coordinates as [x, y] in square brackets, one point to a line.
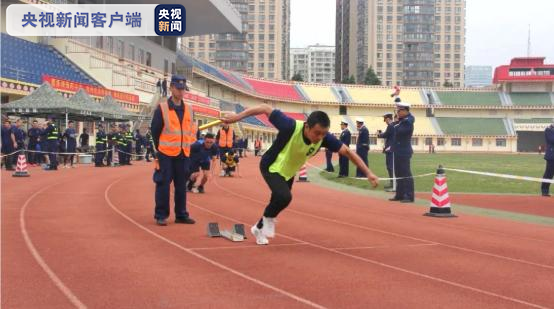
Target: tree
[349, 80]
[371, 78]
[447, 84]
[297, 77]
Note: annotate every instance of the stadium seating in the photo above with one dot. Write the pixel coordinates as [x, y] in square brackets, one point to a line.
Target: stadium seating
[530, 99]
[382, 95]
[296, 116]
[469, 98]
[274, 89]
[27, 61]
[535, 120]
[318, 93]
[472, 126]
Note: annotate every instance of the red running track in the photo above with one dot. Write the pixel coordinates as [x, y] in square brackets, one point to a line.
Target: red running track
[86, 238]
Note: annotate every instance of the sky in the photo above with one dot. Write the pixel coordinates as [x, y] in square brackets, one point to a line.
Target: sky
[496, 30]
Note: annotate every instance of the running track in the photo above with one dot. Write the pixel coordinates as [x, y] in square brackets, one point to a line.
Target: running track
[86, 238]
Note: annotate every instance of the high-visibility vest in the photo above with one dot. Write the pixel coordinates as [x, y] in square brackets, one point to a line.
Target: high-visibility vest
[101, 138]
[176, 136]
[226, 138]
[54, 134]
[128, 137]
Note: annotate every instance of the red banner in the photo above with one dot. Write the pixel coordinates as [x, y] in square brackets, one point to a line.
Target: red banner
[70, 86]
[197, 98]
[205, 111]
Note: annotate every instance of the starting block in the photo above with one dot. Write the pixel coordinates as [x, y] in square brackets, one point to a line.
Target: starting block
[235, 234]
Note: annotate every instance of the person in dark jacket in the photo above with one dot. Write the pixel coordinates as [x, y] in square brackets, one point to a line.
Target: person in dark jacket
[388, 135]
[549, 157]
[70, 138]
[34, 136]
[8, 144]
[402, 149]
[345, 138]
[53, 143]
[362, 144]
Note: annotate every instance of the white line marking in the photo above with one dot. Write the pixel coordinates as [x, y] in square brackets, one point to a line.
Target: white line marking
[57, 281]
[247, 247]
[204, 258]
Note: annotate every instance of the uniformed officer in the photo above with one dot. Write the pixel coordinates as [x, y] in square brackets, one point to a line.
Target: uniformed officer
[52, 139]
[19, 135]
[70, 136]
[149, 143]
[128, 144]
[112, 144]
[388, 135]
[8, 143]
[101, 141]
[549, 157]
[34, 135]
[362, 144]
[120, 138]
[139, 140]
[224, 140]
[345, 138]
[173, 131]
[402, 149]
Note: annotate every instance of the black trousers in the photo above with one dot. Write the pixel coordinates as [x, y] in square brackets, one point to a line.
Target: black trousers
[329, 160]
[281, 195]
[548, 174]
[362, 152]
[343, 166]
[176, 170]
[405, 186]
[32, 155]
[100, 154]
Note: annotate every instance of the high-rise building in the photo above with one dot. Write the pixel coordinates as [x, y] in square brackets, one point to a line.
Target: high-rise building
[407, 42]
[316, 63]
[478, 76]
[261, 50]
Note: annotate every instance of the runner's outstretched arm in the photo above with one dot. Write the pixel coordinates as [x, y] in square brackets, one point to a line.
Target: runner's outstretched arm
[352, 156]
[252, 111]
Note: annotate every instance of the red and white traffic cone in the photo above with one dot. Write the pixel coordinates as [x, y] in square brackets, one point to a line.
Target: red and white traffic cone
[303, 174]
[440, 200]
[21, 168]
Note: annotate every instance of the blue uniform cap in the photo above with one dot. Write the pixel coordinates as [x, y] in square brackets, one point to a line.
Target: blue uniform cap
[179, 82]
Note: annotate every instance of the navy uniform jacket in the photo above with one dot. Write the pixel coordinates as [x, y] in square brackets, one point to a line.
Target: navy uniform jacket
[549, 138]
[403, 132]
[345, 137]
[101, 138]
[34, 134]
[19, 135]
[363, 138]
[49, 129]
[388, 135]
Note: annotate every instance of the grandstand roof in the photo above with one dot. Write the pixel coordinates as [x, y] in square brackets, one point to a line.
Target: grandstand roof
[524, 69]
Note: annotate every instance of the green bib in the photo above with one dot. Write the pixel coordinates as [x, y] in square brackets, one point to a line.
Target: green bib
[294, 154]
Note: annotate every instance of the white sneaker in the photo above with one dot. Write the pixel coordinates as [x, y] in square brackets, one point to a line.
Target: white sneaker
[194, 190]
[222, 174]
[269, 227]
[260, 237]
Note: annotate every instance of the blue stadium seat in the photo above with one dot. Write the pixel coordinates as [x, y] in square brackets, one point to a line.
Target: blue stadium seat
[27, 61]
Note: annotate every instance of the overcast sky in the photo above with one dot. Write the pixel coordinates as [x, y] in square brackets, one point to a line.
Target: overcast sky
[496, 30]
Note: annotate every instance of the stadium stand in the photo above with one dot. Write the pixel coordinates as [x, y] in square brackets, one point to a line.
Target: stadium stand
[274, 89]
[382, 95]
[28, 62]
[319, 93]
[535, 120]
[472, 126]
[530, 99]
[469, 98]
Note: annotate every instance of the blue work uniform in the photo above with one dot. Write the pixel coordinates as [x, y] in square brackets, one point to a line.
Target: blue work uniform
[100, 146]
[362, 148]
[34, 135]
[345, 138]
[388, 135]
[52, 142]
[402, 149]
